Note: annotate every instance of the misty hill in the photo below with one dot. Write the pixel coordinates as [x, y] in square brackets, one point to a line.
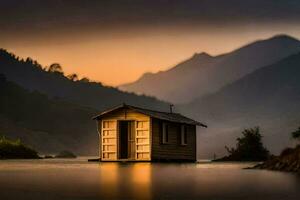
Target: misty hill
[47, 125]
[268, 97]
[204, 74]
[30, 75]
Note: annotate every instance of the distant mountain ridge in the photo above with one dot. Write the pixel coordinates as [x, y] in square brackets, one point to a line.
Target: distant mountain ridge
[31, 76]
[204, 74]
[268, 87]
[268, 97]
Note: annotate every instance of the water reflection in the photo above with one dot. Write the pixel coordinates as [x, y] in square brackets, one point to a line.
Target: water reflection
[78, 179]
[141, 178]
[109, 179]
[132, 180]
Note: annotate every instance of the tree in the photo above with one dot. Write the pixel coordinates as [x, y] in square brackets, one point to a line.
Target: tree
[35, 63]
[55, 68]
[85, 80]
[249, 147]
[29, 60]
[73, 77]
[296, 134]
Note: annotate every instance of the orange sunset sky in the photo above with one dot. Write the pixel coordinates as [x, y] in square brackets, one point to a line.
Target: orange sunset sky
[116, 48]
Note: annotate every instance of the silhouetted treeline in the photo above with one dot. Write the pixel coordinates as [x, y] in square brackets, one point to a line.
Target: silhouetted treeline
[51, 81]
[53, 68]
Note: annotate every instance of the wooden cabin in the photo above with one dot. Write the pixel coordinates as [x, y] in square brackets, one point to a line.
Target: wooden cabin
[129, 133]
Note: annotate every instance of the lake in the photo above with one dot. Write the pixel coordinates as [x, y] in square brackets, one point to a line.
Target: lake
[78, 179]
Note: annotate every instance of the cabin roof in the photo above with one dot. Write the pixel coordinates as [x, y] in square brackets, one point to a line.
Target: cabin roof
[168, 116]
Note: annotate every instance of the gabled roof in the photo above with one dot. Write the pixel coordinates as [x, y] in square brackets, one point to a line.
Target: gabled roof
[172, 117]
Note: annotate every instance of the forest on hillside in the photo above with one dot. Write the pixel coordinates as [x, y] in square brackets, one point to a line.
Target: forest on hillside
[46, 124]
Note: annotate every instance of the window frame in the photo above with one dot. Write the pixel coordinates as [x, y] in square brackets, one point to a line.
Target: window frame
[165, 133]
[183, 135]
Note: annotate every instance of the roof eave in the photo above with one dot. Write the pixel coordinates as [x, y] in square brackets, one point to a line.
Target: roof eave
[200, 124]
[109, 110]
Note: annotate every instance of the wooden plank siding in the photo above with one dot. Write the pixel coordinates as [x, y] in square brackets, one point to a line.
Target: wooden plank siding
[173, 150]
[142, 133]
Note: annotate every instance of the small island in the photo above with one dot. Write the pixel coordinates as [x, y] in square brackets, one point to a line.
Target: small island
[249, 147]
[65, 154]
[15, 149]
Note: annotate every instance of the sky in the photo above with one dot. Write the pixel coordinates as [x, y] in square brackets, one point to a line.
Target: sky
[115, 42]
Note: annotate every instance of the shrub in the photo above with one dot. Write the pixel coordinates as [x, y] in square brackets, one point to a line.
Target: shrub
[15, 149]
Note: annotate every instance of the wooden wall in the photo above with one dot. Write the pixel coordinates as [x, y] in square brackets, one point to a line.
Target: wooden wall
[108, 127]
[173, 150]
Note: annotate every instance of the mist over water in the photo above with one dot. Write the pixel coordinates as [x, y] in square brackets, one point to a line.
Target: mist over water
[79, 179]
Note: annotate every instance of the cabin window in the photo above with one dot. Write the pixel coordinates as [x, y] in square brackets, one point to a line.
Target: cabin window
[165, 133]
[183, 135]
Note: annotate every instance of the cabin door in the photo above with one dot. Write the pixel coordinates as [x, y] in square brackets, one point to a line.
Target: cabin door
[126, 140]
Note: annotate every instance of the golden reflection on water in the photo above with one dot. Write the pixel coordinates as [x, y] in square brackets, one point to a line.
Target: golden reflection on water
[137, 177]
[141, 177]
[109, 178]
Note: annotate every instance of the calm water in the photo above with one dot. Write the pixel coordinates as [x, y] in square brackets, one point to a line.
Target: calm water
[78, 179]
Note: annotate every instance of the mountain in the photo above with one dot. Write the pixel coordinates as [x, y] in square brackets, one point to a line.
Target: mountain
[47, 125]
[204, 74]
[269, 97]
[51, 112]
[30, 75]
